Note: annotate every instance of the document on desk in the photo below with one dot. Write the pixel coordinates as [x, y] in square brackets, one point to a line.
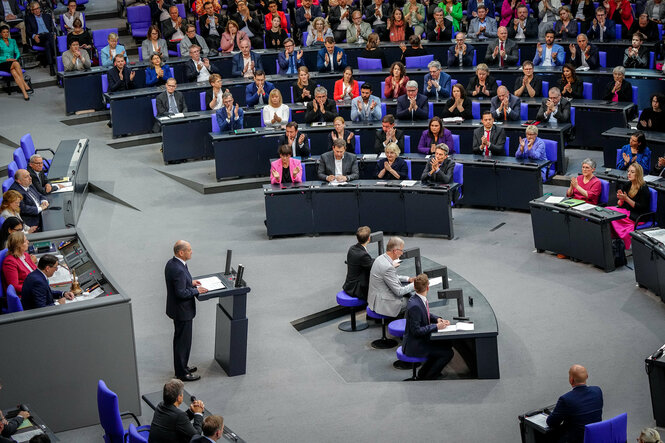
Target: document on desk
[369, 157]
[539, 420]
[449, 328]
[651, 178]
[178, 115]
[64, 187]
[435, 281]
[212, 283]
[83, 297]
[464, 326]
[585, 207]
[408, 182]
[656, 234]
[60, 277]
[554, 199]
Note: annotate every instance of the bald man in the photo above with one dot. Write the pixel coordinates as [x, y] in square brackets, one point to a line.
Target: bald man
[33, 202]
[577, 408]
[181, 291]
[505, 106]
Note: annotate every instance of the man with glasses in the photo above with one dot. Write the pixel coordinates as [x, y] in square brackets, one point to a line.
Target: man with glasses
[602, 28]
[169, 102]
[437, 83]
[412, 106]
[33, 202]
[554, 109]
[193, 39]
[321, 109]
[42, 33]
[290, 60]
[387, 295]
[37, 292]
[39, 180]
[198, 69]
[461, 53]
[211, 26]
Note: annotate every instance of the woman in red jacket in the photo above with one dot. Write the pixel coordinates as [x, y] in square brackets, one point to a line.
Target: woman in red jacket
[18, 263]
[346, 88]
[396, 81]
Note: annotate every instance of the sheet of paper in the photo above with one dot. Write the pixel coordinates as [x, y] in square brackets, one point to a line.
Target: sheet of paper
[435, 281]
[369, 157]
[656, 234]
[212, 283]
[539, 419]
[382, 155]
[62, 188]
[554, 199]
[97, 292]
[651, 178]
[449, 328]
[585, 207]
[464, 326]
[452, 119]
[83, 297]
[60, 277]
[408, 182]
[178, 115]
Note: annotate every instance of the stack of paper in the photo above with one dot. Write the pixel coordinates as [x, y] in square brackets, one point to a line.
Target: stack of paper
[408, 182]
[60, 277]
[212, 283]
[554, 199]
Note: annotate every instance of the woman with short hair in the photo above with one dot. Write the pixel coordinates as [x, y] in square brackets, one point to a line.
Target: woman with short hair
[285, 169]
[531, 148]
[392, 167]
[586, 186]
[619, 90]
[10, 225]
[482, 84]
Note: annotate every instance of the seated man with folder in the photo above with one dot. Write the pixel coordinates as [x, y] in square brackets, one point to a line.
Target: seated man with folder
[338, 165]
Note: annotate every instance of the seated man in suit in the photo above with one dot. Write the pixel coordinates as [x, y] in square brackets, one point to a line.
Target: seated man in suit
[120, 77]
[8, 427]
[229, 117]
[211, 25]
[420, 324]
[483, 26]
[377, 15]
[198, 69]
[74, 59]
[246, 62]
[169, 423]
[331, 58]
[37, 292]
[577, 408]
[489, 139]
[505, 106]
[460, 54]
[437, 83]
[584, 53]
[174, 28]
[39, 180]
[338, 165]
[33, 202]
[289, 60]
[602, 28]
[321, 109]
[412, 106]
[358, 265]
[437, 31]
[213, 429]
[388, 134]
[305, 14]
[551, 54]
[554, 109]
[170, 102]
[502, 52]
[9, 12]
[366, 107]
[298, 141]
[339, 18]
[358, 31]
[39, 27]
[386, 294]
[191, 39]
[440, 168]
[257, 93]
[522, 26]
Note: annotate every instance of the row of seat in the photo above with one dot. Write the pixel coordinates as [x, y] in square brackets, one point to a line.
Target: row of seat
[21, 157]
[110, 418]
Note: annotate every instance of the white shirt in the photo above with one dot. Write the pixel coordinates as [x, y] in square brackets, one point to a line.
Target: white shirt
[25, 263]
[269, 112]
[379, 20]
[344, 23]
[178, 33]
[583, 57]
[204, 74]
[338, 167]
[424, 300]
[250, 72]
[181, 260]
[37, 203]
[219, 104]
[547, 57]
[520, 31]
[212, 28]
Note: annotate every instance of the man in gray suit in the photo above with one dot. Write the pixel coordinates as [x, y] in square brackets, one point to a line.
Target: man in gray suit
[338, 165]
[505, 106]
[170, 101]
[482, 27]
[386, 294]
[502, 52]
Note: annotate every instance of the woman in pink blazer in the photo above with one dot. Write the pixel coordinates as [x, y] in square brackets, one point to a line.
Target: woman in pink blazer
[18, 263]
[232, 37]
[287, 169]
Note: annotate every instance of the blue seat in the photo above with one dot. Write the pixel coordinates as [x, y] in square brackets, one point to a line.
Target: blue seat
[572, 115]
[602, 59]
[475, 110]
[418, 62]
[12, 167]
[635, 94]
[413, 360]
[215, 125]
[134, 435]
[431, 109]
[29, 150]
[3, 254]
[13, 302]
[617, 28]
[506, 146]
[100, 36]
[546, 89]
[110, 416]
[474, 58]
[154, 107]
[408, 169]
[614, 430]
[304, 41]
[105, 87]
[499, 82]
[587, 91]
[383, 91]
[604, 192]
[202, 98]
[453, 82]
[383, 342]
[551, 151]
[383, 109]
[369, 64]
[397, 327]
[524, 111]
[458, 177]
[641, 222]
[344, 299]
[456, 143]
[19, 158]
[140, 49]
[618, 156]
[358, 151]
[139, 20]
[7, 184]
[62, 43]
[407, 144]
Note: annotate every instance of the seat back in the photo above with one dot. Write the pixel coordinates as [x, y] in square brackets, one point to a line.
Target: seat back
[62, 43]
[602, 59]
[27, 145]
[181, 11]
[635, 94]
[202, 98]
[524, 111]
[140, 49]
[653, 206]
[587, 91]
[7, 184]
[455, 146]
[617, 28]
[139, 14]
[19, 158]
[100, 36]
[109, 414]
[408, 169]
[546, 89]
[105, 83]
[499, 82]
[154, 106]
[304, 41]
[604, 192]
[474, 58]
[418, 61]
[572, 115]
[13, 302]
[458, 173]
[453, 82]
[134, 436]
[357, 137]
[59, 64]
[3, 254]
[12, 167]
[618, 156]
[430, 106]
[384, 110]
[552, 154]
[614, 430]
[475, 110]
[407, 144]
[215, 125]
[506, 146]
[383, 91]
[652, 60]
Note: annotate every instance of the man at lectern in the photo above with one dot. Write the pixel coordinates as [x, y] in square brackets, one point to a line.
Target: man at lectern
[181, 291]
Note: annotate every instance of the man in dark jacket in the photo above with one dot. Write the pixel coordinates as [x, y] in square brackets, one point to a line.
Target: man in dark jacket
[358, 265]
[170, 424]
[440, 168]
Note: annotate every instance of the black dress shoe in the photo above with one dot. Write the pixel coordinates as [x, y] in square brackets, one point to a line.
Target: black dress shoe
[190, 377]
[191, 369]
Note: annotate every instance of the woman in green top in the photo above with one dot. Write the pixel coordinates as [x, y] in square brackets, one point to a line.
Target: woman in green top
[452, 11]
[9, 55]
[414, 15]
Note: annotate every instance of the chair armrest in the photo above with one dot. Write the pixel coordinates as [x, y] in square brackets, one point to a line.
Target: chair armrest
[46, 149]
[642, 218]
[122, 414]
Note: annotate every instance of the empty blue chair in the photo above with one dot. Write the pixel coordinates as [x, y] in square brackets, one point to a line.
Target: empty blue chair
[110, 416]
[418, 61]
[617, 27]
[100, 36]
[407, 144]
[369, 64]
[572, 115]
[105, 87]
[456, 145]
[475, 110]
[383, 109]
[202, 98]
[12, 167]
[413, 360]
[139, 20]
[453, 82]
[524, 111]
[215, 125]
[431, 109]
[154, 107]
[58, 61]
[546, 89]
[7, 184]
[652, 60]
[602, 59]
[499, 82]
[62, 43]
[383, 342]
[358, 151]
[641, 222]
[614, 430]
[3, 254]
[19, 158]
[587, 91]
[635, 94]
[604, 192]
[552, 154]
[181, 11]
[344, 299]
[134, 435]
[458, 177]
[29, 150]
[13, 302]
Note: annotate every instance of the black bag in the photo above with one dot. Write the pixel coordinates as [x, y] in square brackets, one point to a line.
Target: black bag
[619, 252]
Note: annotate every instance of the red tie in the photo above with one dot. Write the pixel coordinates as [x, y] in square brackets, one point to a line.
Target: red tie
[487, 151]
[500, 56]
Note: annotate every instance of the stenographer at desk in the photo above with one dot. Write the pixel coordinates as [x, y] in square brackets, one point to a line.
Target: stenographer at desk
[36, 291]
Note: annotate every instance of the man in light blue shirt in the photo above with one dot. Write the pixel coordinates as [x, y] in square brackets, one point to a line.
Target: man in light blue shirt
[550, 54]
[366, 107]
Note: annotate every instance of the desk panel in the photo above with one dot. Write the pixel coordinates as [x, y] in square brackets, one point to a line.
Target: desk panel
[335, 209]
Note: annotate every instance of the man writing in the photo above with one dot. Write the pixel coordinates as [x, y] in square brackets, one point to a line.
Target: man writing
[551, 54]
[554, 109]
[120, 78]
[460, 54]
[412, 106]
[436, 83]
[366, 107]
[297, 141]
[489, 139]
[290, 60]
[169, 423]
[338, 165]
[257, 93]
[321, 109]
[388, 134]
[505, 106]
[358, 265]
[440, 168]
[36, 291]
[386, 294]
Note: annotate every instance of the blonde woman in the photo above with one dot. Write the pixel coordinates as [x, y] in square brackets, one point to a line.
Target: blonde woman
[318, 31]
[275, 113]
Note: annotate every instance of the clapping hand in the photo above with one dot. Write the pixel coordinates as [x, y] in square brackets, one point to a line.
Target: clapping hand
[626, 158]
[274, 173]
[539, 48]
[235, 111]
[327, 59]
[496, 51]
[521, 144]
[621, 196]
[573, 50]
[402, 46]
[339, 57]
[301, 139]
[573, 182]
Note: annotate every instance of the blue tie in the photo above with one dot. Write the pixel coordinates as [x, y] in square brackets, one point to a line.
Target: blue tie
[292, 65]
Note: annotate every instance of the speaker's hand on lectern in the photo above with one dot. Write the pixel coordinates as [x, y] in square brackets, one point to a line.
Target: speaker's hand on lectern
[201, 289]
[196, 283]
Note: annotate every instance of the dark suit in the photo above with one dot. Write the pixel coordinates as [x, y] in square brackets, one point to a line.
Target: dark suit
[239, 64]
[608, 34]
[301, 22]
[254, 24]
[117, 84]
[417, 343]
[625, 94]
[301, 150]
[467, 59]
[575, 409]
[46, 40]
[321, 60]
[326, 166]
[168, 30]
[312, 116]
[252, 96]
[403, 113]
[380, 138]
[441, 36]
[162, 102]
[442, 175]
[334, 18]
[199, 439]
[39, 180]
[36, 292]
[172, 425]
[511, 53]
[212, 40]
[490, 84]
[181, 308]
[531, 30]
[514, 103]
[497, 140]
[358, 265]
[232, 123]
[371, 18]
[30, 212]
[536, 83]
[14, 9]
[562, 114]
[284, 62]
[191, 73]
[592, 61]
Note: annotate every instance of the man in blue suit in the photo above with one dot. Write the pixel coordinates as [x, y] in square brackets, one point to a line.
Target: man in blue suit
[246, 63]
[36, 292]
[41, 32]
[257, 93]
[305, 14]
[181, 291]
[33, 202]
[551, 54]
[412, 106]
[330, 58]
[437, 83]
[602, 28]
[577, 408]
[460, 54]
[420, 324]
[290, 60]
[505, 106]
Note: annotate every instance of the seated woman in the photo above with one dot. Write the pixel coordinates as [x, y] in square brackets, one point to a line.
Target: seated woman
[11, 207]
[458, 105]
[232, 37]
[70, 15]
[636, 151]
[229, 117]
[533, 148]
[154, 44]
[372, 49]
[587, 186]
[346, 88]
[452, 13]
[482, 84]
[634, 200]
[81, 35]
[619, 90]
[303, 89]
[18, 263]
[275, 113]
[414, 49]
[214, 96]
[318, 31]
[395, 84]
[109, 51]
[414, 16]
[565, 28]
[393, 167]
[75, 58]
[583, 11]
[157, 71]
[528, 85]
[286, 169]
[398, 30]
[637, 56]
[440, 167]
[275, 36]
[9, 55]
[340, 131]
[10, 225]
[649, 435]
[569, 84]
[434, 135]
[653, 118]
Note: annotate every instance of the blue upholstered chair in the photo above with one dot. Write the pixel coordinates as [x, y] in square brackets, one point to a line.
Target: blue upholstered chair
[546, 89]
[524, 111]
[29, 150]
[614, 430]
[552, 153]
[475, 110]
[587, 91]
[413, 360]
[202, 98]
[358, 151]
[154, 107]
[408, 169]
[215, 125]
[13, 302]
[506, 147]
[344, 299]
[19, 158]
[602, 59]
[643, 221]
[407, 144]
[604, 192]
[456, 143]
[110, 416]
[369, 64]
[7, 184]
[12, 167]
[139, 20]
[135, 436]
[384, 342]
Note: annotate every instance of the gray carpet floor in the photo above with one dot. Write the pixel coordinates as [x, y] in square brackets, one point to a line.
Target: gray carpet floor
[305, 387]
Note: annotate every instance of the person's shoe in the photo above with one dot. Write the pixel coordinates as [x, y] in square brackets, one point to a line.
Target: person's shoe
[190, 377]
[30, 91]
[191, 369]
[561, 256]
